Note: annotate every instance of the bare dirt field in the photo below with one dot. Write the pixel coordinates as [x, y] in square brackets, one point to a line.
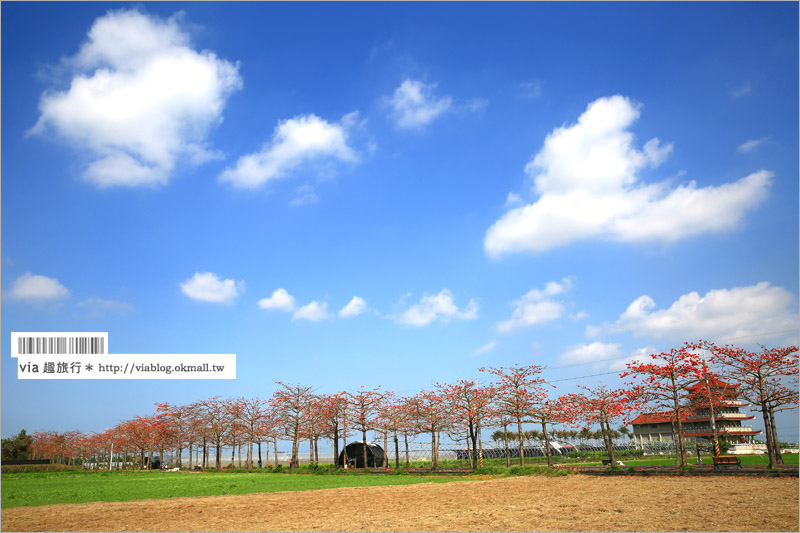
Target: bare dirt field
[573, 503]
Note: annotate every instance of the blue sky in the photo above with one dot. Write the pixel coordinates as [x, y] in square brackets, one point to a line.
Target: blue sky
[565, 184]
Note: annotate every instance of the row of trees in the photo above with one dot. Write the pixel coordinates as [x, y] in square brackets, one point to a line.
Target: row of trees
[515, 397]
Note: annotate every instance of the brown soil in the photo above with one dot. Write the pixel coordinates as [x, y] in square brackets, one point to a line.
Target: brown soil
[573, 503]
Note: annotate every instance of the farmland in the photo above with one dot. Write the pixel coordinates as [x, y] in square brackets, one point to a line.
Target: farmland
[527, 503]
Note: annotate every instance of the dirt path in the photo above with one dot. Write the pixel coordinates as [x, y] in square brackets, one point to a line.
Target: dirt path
[573, 503]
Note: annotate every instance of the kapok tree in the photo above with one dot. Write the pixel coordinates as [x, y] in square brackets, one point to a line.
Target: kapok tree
[252, 412]
[520, 392]
[332, 412]
[363, 406]
[767, 379]
[598, 405]
[217, 421]
[664, 384]
[432, 415]
[471, 404]
[291, 403]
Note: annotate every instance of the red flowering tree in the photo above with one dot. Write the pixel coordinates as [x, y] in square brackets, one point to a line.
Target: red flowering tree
[522, 395]
[766, 378]
[664, 385]
[598, 405]
[471, 405]
[291, 404]
[363, 406]
[333, 412]
[431, 413]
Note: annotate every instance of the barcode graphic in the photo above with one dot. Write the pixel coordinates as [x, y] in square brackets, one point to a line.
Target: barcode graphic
[60, 345]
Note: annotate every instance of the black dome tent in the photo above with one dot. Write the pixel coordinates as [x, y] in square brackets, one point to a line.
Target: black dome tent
[355, 455]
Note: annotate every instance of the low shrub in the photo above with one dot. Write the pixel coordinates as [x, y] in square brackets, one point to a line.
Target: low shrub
[17, 469]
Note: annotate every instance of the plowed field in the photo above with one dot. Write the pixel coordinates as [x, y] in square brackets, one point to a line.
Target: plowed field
[572, 503]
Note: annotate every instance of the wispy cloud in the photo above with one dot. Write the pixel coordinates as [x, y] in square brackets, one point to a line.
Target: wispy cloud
[414, 105]
[741, 90]
[486, 348]
[538, 306]
[752, 144]
[299, 140]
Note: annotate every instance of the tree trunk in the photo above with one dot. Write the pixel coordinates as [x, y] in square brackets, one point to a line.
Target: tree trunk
[364, 437]
[773, 460]
[776, 442]
[405, 437]
[547, 445]
[520, 436]
[505, 441]
[396, 451]
[335, 444]
[275, 449]
[433, 450]
[385, 449]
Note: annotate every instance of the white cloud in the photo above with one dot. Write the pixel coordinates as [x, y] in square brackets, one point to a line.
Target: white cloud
[208, 287]
[719, 314]
[355, 307]
[586, 176]
[304, 195]
[280, 300]
[96, 307]
[486, 348]
[313, 311]
[741, 90]
[537, 307]
[531, 89]
[589, 353]
[513, 199]
[34, 288]
[141, 99]
[295, 141]
[414, 106]
[752, 144]
[436, 307]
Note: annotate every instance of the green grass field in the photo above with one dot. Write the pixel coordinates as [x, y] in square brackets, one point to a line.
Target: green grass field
[81, 486]
[31, 489]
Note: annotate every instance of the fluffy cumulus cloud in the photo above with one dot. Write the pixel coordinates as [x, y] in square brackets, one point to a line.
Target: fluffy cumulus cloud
[719, 314]
[354, 307]
[280, 300]
[436, 307]
[34, 288]
[413, 105]
[302, 139]
[208, 287]
[587, 179]
[313, 312]
[538, 306]
[141, 99]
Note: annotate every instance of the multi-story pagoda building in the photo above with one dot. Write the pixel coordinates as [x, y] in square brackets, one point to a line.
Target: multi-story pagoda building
[696, 420]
